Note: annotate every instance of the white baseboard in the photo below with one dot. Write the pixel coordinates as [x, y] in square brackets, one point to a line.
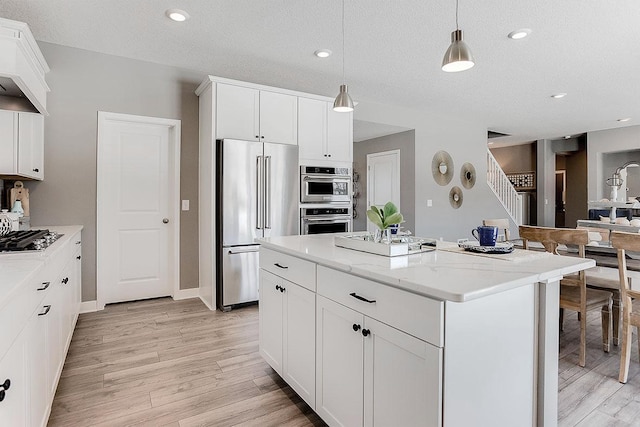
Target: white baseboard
[88, 306]
[187, 293]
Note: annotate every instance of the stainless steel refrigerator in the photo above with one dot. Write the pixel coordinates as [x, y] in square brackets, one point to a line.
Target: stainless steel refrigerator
[257, 191]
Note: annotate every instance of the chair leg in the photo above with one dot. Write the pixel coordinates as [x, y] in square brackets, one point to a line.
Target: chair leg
[625, 350]
[616, 312]
[606, 315]
[561, 319]
[583, 340]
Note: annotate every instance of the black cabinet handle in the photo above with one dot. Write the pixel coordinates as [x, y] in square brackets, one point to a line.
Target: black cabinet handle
[46, 310]
[79, 257]
[78, 242]
[356, 327]
[278, 287]
[356, 296]
[4, 386]
[45, 285]
[65, 280]
[366, 332]
[282, 289]
[262, 137]
[36, 170]
[284, 267]
[257, 136]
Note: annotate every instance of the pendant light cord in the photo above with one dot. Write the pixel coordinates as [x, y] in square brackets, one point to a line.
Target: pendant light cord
[456, 15]
[343, 74]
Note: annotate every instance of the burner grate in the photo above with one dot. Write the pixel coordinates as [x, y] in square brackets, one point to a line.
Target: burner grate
[20, 240]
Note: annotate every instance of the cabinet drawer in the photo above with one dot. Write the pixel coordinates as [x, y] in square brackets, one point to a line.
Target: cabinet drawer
[416, 315]
[294, 269]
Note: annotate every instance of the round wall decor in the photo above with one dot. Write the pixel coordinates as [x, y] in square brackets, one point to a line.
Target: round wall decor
[468, 175]
[442, 167]
[455, 197]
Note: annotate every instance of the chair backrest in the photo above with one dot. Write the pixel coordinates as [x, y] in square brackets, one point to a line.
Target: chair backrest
[501, 223]
[625, 242]
[552, 237]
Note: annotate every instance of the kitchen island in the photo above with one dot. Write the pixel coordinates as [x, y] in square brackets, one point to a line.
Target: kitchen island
[437, 338]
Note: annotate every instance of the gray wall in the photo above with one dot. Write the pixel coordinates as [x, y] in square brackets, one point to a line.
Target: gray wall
[466, 141]
[516, 158]
[405, 142]
[83, 83]
[612, 161]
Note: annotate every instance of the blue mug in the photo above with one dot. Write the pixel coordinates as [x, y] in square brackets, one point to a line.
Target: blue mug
[486, 235]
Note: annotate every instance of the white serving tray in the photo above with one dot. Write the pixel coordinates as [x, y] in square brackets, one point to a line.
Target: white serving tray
[362, 242]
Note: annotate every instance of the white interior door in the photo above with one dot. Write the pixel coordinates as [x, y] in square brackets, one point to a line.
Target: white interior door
[137, 205]
[383, 180]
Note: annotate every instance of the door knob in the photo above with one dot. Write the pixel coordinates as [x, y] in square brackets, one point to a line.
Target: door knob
[165, 220]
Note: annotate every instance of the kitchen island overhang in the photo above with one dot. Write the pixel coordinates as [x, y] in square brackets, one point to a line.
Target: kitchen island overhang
[498, 322]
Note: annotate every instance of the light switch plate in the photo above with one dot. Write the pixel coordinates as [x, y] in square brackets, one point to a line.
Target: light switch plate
[185, 205]
[429, 203]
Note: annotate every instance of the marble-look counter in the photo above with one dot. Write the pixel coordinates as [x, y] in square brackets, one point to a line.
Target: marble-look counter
[440, 274]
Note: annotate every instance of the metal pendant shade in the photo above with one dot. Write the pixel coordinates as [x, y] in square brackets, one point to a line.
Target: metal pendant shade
[343, 102]
[458, 57]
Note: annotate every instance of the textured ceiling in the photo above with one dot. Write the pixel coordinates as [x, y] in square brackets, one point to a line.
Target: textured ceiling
[394, 48]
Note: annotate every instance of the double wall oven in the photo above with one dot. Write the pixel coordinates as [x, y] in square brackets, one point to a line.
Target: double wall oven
[325, 199]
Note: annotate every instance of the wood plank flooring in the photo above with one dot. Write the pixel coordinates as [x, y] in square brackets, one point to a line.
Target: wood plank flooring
[175, 363]
[172, 363]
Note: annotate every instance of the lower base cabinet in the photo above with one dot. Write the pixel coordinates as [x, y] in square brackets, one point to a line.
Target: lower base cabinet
[287, 332]
[371, 374]
[34, 361]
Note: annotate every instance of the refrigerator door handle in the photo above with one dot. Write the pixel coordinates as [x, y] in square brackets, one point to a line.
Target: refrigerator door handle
[259, 193]
[267, 191]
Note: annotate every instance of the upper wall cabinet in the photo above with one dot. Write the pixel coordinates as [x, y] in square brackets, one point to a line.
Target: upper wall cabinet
[21, 145]
[323, 134]
[22, 69]
[255, 115]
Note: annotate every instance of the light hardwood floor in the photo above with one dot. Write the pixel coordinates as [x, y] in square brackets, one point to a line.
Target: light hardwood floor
[172, 363]
[175, 363]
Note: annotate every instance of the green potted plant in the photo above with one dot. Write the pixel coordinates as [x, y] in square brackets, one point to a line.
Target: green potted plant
[383, 219]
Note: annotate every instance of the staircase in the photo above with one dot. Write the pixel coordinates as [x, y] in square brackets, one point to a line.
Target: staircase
[503, 189]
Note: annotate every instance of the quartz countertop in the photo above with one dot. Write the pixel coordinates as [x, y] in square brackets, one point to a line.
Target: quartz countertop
[440, 274]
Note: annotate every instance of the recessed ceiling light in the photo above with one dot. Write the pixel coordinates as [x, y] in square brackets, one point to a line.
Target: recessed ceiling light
[177, 15]
[519, 34]
[491, 143]
[567, 137]
[322, 53]
[626, 119]
[559, 95]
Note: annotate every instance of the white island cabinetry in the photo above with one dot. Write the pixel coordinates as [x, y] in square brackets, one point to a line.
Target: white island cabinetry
[432, 339]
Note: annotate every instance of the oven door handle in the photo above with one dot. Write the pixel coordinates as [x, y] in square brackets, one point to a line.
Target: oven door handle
[328, 219]
[326, 178]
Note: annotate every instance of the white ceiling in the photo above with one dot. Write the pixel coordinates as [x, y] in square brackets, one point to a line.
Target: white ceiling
[394, 49]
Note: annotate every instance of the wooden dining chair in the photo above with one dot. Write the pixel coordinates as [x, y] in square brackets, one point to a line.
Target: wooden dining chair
[502, 224]
[574, 294]
[630, 315]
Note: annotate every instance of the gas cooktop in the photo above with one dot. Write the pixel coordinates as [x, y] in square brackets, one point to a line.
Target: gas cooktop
[27, 240]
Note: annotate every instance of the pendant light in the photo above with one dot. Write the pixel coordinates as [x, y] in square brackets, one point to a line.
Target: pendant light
[343, 102]
[458, 57]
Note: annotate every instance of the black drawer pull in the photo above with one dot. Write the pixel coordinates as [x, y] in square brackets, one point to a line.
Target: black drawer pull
[46, 310]
[79, 257]
[356, 296]
[65, 280]
[366, 332]
[4, 386]
[45, 285]
[284, 267]
[356, 327]
[78, 242]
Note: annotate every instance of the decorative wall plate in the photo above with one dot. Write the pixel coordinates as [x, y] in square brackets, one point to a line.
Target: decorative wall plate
[468, 175]
[442, 167]
[455, 197]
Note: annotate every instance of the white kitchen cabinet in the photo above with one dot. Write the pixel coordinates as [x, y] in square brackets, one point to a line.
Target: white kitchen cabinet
[323, 133]
[21, 145]
[31, 145]
[13, 372]
[255, 115]
[38, 368]
[340, 364]
[401, 378]
[371, 374]
[287, 332]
